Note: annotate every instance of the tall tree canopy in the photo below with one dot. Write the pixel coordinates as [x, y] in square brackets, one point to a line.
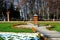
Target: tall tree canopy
[1, 5]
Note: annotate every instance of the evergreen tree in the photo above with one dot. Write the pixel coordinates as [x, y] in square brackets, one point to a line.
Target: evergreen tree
[11, 7]
[1, 6]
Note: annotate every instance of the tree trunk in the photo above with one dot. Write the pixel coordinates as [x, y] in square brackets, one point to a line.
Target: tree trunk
[8, 12]
[48, 12]
[57, 13]
[42, 8]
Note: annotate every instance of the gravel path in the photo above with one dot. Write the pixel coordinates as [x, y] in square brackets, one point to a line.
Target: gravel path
[52, 35]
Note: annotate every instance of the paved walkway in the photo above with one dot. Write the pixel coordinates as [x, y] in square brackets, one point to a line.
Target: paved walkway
[52, 35]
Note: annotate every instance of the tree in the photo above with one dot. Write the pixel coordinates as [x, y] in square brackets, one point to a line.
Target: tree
[1, 6]
[31, 6]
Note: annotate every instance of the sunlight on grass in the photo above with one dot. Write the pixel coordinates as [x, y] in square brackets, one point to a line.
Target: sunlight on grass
[55, 24]
[7, 27]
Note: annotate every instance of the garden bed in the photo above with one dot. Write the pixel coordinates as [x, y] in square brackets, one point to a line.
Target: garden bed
[55, 25]
[7, 27]
[19, 36]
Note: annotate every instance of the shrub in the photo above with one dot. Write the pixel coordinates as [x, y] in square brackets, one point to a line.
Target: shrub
[34, 29]
[50, 27]
[1, 38]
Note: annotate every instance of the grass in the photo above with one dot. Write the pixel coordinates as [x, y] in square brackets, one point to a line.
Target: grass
[7, 27]
[55, 24]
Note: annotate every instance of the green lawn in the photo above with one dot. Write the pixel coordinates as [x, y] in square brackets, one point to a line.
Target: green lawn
[7, 27]
[55, 24]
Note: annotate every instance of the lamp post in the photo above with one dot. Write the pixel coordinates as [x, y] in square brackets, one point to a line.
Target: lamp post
[35, 19]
